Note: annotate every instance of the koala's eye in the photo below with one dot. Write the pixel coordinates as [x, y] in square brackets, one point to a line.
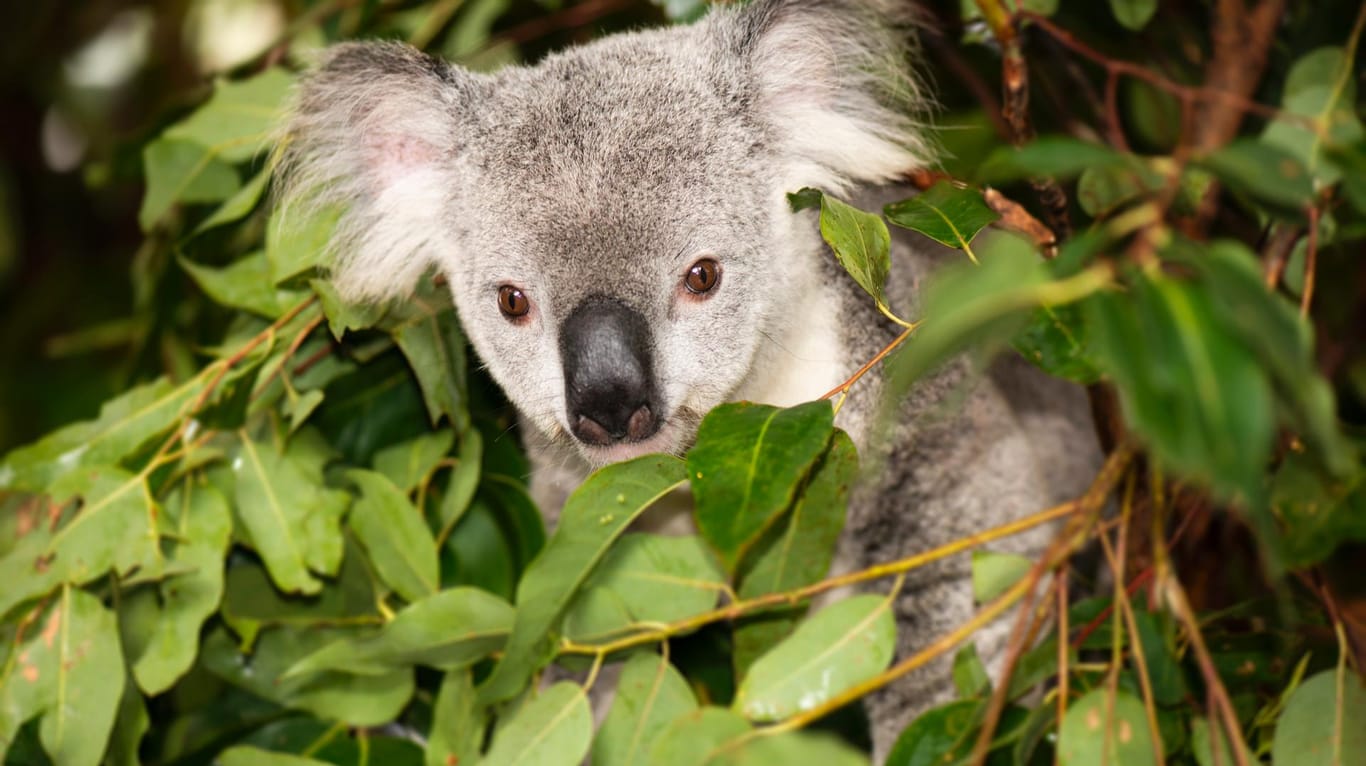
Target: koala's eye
[702, 276]
[513, 302]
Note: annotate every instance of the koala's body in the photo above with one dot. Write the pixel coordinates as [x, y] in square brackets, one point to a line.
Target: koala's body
[614, 227]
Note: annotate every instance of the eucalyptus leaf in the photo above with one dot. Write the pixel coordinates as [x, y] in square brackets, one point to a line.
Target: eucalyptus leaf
[237, 120]
[832, 650]
[746, 466]
[948, 214]
[859, 239]
[1106, 727]
[554, 729]
[1321, 723]
[62, 673]
[458, 722]
[395, 536]
[595, 515]
[650, 695]
[181, 171]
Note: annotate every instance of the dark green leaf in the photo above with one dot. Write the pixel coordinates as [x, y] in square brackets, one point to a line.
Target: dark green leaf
[449, 630]
[946, 213]
[1055, 156]
[1317, 513]
[595, 515]
[798, 550]
[1265, 171]
[435, 348]
[246, 755]
[859, 239]
[369, 700]
[746, 466]
[1054, 340]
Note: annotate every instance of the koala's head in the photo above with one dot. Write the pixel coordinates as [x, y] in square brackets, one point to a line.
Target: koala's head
[612, 222]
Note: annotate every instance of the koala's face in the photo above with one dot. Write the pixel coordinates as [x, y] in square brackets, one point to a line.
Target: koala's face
[612, 221]
[613, 251]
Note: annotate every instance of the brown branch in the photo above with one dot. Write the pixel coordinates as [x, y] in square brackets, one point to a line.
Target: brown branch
[844, 387]
[1311, 258]
[1276, 254]
[1015, 218]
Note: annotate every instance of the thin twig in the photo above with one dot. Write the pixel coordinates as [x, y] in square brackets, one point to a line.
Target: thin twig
[1311, 259]
[844, 387]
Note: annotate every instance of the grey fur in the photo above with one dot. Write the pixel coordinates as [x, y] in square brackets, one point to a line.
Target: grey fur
[609, 169]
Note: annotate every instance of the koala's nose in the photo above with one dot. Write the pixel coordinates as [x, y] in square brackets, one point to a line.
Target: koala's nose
[608, 375]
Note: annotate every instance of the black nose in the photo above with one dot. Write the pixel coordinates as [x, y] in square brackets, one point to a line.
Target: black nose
[608, 376]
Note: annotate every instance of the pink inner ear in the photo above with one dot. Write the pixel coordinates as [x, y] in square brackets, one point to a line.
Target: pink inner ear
[395, 156]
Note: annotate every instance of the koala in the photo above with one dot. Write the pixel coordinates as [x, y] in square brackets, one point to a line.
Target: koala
[614, 228]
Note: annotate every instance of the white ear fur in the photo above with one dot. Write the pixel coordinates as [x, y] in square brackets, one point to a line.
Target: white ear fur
[372, 130]
[835, 81]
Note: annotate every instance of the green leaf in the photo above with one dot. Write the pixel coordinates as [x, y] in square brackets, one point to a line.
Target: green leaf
[995, 573]
[834, 649]
[181, 171]
[690, 739]
[237, 120]
[370, 700]
[435, 348]
[344, 315]
[859, 239]
[797, 748]
[239, 204]
[1054, 156]
[1203, 744]
[595, 515]
[130, 726]
[113, 530]
[203, 526]
[1101, 729]
[1105, 188]
[554, 729]
[1321, 87]
[1054, 340]
[969, 674]
[746, 466]
[1321, 724]
[244, 284]
[246, 755]
[1267, 172]
[408, 463]
[464, 480]
[395, 536]
[126, 424]
[650, 695]
[251, 602]
[458, 722]
[1187, 384]
[287, 514]
[1317, 512]
[971, 306]
[1283, 341]
[1133, 14]
[946, 213]
[298, 246]
[798, 550]
[69, 672]
[449, 630]
[651, 579]
[939, 736]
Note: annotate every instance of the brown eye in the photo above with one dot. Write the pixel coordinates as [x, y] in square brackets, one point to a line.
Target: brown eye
[702, 276]
[513, 302]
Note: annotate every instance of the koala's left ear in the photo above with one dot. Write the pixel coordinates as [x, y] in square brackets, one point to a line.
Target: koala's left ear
[835, 80]
[373, 129]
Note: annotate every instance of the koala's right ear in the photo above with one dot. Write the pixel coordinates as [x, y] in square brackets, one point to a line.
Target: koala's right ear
[373, 129]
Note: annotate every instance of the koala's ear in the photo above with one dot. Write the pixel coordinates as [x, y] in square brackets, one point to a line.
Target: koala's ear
[373, 129]
[835, 80]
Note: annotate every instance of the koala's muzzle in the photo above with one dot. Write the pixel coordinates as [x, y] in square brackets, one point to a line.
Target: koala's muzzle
[608, 375]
